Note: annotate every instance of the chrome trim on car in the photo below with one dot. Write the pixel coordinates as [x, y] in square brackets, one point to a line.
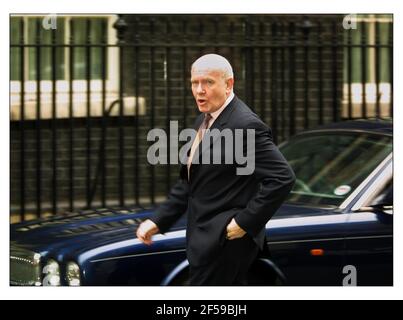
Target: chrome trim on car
[138, 255]
[345, 130]
[269, 243]
[25, 267]
[329, 239]
[363, 184]
[175, 272]
[375, 187]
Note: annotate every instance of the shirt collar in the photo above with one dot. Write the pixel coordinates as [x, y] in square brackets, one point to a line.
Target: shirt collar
[216, 113]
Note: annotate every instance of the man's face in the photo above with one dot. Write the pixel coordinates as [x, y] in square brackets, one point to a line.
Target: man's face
[210, 89]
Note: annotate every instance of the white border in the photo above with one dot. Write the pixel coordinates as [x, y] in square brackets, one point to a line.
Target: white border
[191, 6]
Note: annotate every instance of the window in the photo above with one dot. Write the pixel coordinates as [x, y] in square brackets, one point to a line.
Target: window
[367, 45]
[34, 33]
[330, 166]
[78, 30]
[30, 35]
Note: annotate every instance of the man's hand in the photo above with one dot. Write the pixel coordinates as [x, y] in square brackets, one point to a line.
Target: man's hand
[146, 230]
[234, 231]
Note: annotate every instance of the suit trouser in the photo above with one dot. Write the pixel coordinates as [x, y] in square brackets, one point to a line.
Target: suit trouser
[230, 267]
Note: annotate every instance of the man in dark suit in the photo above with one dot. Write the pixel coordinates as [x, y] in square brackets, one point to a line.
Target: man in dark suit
[227, 210]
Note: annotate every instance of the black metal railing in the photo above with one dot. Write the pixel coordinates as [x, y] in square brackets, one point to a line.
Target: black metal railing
[296, 72]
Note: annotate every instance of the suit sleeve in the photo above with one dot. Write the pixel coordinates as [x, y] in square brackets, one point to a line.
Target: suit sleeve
[177, 203]
[276, 180]
[173, 208]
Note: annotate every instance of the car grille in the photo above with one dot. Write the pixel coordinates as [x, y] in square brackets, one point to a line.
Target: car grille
[25, 268]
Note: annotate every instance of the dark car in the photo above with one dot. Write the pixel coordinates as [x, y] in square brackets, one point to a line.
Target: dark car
[336, 228]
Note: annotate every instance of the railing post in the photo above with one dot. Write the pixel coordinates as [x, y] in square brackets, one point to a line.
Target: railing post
[390, 56]
[88, 117]
[262, 62]
[152, 102]
[292, 89]
[306, 29]
[22, 121]
[335, 47]
[71, 116]
[248, 66]
[38, 124]
[320, 70]
[377, 69]
[274, 81]
[121, 27]
[136, 123]
[54, 127]
[167, 76]
[364, 52]
[104, 60]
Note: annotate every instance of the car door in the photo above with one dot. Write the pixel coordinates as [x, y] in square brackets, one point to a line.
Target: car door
[369, 234]
[309, 249]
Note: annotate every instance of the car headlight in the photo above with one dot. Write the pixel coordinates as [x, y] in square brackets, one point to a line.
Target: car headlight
[52, 274]
[73, 274]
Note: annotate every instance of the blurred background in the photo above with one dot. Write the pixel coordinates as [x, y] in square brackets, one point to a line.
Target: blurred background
[85, 91]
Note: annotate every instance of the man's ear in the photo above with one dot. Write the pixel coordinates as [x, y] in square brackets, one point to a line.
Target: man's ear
[230, 84]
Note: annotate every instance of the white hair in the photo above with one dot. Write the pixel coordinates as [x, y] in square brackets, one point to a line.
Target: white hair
[214, 62]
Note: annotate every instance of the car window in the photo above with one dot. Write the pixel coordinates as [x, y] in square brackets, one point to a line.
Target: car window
[329, 166]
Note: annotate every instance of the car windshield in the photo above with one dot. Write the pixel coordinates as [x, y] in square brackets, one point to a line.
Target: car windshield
[329, 166]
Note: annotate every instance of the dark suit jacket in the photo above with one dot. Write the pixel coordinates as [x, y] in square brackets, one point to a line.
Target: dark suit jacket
[215, 193]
